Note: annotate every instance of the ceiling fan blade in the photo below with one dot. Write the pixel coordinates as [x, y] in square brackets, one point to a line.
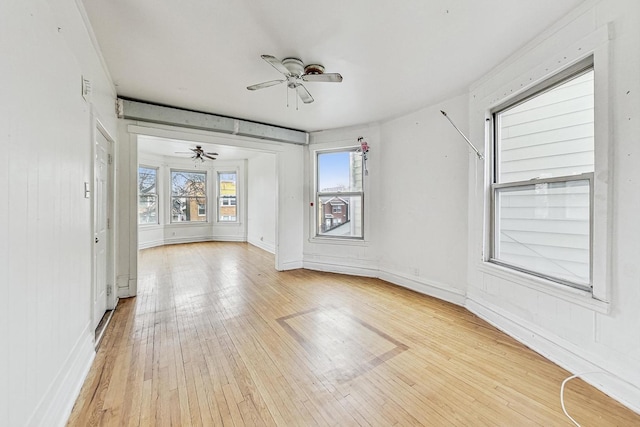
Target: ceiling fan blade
[326, 77]
[276, 63]
[208, 156]
[183, 152]
[265, 84]
[304, 94]
[212, 154]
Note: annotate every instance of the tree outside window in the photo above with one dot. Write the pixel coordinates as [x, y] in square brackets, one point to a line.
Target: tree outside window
[147, 195]
[188, 196]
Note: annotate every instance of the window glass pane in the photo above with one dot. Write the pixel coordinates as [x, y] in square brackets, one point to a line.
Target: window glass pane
[188, 195]
[340, 172]
[545, 228]
[148, 198]
[148, 209]
[340, 216]
[147, 180]
[549, 135]
[228, 194]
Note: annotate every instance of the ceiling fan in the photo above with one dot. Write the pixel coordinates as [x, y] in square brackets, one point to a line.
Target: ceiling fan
[295, 72]
[198, 153]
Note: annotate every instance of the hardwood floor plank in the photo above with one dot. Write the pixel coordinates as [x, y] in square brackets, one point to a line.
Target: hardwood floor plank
[217, 337]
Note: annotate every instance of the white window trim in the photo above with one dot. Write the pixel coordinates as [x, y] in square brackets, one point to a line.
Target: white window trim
[218, 198]
[322, 238]
[602, 209]
[171, 196]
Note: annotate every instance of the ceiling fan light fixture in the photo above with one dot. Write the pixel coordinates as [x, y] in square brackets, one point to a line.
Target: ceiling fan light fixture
[314, 69]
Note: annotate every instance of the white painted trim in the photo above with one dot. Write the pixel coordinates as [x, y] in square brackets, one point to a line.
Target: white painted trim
[269, 247]
[426, 287]
[417, 284]
[190, 239]
[55, 407]
[96, 46]
[557, 350]
[291, 265]
[330, 267]
[566, 293]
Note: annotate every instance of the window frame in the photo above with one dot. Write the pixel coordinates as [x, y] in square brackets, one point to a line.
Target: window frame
[580, 68]
[340, 194]
[220, 219]
[156, 194]
[171, 196]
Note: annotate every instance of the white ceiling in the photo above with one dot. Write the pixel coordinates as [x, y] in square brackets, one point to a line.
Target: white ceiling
[395, 56]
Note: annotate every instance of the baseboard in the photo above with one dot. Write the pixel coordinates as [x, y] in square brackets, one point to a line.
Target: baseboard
[182, 240]
[150, 244]
[557, 351]
[341, 268]
[56, 405]
[289, 265]
[269, 247]
[426, 287]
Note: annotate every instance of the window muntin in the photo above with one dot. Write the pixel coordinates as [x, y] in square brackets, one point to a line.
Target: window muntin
[228, 197]
[340, 194]
[147, 195]
[188, 194]
[543, 181]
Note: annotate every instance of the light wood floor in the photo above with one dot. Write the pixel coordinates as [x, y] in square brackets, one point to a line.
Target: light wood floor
[217, 337]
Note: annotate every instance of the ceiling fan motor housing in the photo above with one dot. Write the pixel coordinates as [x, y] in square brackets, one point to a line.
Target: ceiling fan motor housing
[294, 65]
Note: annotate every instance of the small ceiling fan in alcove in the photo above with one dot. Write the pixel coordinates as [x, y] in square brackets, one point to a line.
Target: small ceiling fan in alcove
[295, 72]
[198, 153]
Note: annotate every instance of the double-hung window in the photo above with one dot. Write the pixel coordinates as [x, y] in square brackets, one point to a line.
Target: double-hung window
[543, 164]
[227, 197]
[147, 195]
[339, 194]
[188, 196]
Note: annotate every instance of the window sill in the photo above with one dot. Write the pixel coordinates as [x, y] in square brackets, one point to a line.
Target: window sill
[338, 241]
[575, 296]
[188, 224]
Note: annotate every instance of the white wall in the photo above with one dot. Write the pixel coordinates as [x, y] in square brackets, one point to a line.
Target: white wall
[46, 224]
[572, 328]
[423, 200]
[261, 201]
[340, 255]
[415, 203]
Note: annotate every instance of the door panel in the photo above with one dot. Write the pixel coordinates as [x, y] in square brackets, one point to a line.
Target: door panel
[101, 235]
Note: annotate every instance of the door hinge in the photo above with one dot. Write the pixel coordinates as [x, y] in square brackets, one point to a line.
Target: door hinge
[110, 159]
[109, 290]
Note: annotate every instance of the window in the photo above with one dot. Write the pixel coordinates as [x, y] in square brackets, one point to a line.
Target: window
[340, 194]
[147, 195]
[543, 179]
[188, 196]
[227, 196]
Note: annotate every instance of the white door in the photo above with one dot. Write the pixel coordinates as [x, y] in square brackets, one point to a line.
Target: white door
[101, 234]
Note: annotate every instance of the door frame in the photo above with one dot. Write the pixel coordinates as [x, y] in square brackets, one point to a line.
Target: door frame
[112, 299]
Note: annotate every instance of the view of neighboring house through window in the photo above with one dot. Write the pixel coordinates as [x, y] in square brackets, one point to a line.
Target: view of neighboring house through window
[543, 180]
[188, 196]
[228, 196]
[340, 194]
[147, 195]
